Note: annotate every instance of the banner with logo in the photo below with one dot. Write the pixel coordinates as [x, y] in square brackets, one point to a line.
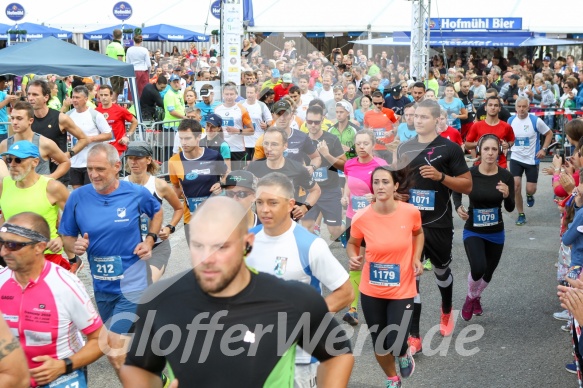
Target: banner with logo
[122, 11]
[15, 12]
[231, 32]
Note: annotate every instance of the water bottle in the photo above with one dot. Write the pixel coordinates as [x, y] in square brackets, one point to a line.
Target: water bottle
[125, 91]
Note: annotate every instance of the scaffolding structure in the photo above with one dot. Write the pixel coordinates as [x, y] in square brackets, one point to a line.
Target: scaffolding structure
[420, 29]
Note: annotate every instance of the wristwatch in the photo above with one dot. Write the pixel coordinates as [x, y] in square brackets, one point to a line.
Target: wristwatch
[153, 235]
[442, 177]
[72, 153]
[68, 365]
[171, 227]
[545, 149]
[240, 130]
[307, 205]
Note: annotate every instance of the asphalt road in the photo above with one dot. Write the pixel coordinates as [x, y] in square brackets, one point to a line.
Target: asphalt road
[516, 343]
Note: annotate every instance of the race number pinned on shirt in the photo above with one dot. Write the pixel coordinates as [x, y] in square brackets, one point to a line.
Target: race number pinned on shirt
[228, 122]
[485, 217]
[387, 275]
[321, 174]
[194, 203]
[379, 133]
[422, 199]
[522, 142]
[359, 202]
[75, 379]
[106, 268]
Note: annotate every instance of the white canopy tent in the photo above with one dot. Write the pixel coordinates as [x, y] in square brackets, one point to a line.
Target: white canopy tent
[294, 16]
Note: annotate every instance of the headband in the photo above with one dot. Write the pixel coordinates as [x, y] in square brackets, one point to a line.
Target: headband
[23, 232]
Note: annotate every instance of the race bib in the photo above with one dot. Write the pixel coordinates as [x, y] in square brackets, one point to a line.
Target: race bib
[228, 122]
[106, 268]
[144, 224]
[379, 133]
[522, 141]
[485, 217]
[359, 202]
[386, 275]
[422, 199]
[75, 379]
[194, 203]
[321, 174]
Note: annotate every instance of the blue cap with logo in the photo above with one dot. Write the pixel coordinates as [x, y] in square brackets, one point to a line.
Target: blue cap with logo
[275, 73]
[23, 149]
[214, 119]
[174, 77]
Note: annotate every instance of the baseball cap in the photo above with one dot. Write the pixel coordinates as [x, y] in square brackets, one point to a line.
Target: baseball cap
[515, 77]
[396, 89]
[205, 92]
[138, 148]
[275, 73]
[242, 179]
[204, 65]
[214, 119]
[344, 104]
[347, 74]
[23, 149]
[178, 68]
[281, 105]
[287, 78]
[174, 77]
[547, 58]
[213, 59]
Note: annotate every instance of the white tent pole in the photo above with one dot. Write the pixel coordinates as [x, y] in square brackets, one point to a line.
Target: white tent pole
[134, 88]
[369, 33]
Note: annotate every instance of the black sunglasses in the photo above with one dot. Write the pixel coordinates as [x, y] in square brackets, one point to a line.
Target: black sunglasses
[238, 194]
[378, 103]
[9, 159]
[14, 245]
[316, 122]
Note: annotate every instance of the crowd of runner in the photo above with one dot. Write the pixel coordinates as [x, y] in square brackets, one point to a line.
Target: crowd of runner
[342, 140]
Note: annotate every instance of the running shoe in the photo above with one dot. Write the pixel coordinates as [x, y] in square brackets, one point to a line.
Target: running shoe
[446, 324]
[566, 327]
[76, 265]
[415, 345]
[317, 230]
[478, 306]
[571, 367]
[521, 219]
[468, 309]
[351, 317]
[562, 316]
[427, 265]
[529, 200]
[394, 382]
[406, 364]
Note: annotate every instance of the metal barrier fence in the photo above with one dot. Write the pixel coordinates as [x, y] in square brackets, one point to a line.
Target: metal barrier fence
[160, 135]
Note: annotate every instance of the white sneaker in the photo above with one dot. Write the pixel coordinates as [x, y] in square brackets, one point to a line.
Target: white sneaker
[566, 327]
[562, 316]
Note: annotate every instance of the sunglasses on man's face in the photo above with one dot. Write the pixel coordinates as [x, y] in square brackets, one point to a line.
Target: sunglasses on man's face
[10, 159]
[15, 245]
[238, 194]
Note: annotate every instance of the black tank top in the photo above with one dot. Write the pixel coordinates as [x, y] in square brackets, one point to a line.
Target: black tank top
[48, 126]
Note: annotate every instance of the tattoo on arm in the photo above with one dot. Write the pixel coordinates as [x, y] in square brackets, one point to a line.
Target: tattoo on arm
[6, 347]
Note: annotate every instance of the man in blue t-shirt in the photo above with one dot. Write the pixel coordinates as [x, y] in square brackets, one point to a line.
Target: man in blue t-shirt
[106, 214]
[208, 104]
[5, 100]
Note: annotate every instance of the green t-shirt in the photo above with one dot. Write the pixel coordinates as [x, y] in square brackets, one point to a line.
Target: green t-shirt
[115, 49]
[55, 103]
[173, 100]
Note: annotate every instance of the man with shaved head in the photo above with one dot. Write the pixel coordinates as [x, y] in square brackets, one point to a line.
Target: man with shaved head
[254, 310]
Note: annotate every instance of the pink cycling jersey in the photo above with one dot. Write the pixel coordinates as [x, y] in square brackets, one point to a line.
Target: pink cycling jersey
[48, 313]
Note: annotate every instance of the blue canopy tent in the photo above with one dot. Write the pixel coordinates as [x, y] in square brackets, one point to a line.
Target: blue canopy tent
[54, 56]
[165, 32]
[34, 31]
[106, 33]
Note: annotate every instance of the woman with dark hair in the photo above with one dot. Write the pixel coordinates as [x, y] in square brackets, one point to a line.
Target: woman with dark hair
[175, 52]
[267, 97]
[483, 233]
[388, 283]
